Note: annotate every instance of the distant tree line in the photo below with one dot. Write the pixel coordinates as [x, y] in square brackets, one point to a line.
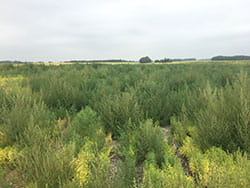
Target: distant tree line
[20, 62]
[165, 60]
[237, 57]
[14, 62]
[99, 61]
[145, 59]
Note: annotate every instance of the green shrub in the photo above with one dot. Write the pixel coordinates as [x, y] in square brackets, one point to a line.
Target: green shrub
[127, 170]
[149, 138]
[137, 145]
[117, 110]
[92, 166]
[215, 167]
[178, 130]
[86, 122]
[45, 161]
[24, 110]
[142, 140]
[171, 175]
[61, 90]
[86, 125]
[225, 121]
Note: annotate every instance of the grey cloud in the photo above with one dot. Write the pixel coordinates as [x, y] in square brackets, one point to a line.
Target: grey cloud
[92, 29]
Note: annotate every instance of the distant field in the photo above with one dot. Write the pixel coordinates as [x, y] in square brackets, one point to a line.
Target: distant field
[136, 63]
[176, 62]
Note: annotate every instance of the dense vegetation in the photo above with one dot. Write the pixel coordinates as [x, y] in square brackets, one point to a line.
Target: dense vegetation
[144, 125]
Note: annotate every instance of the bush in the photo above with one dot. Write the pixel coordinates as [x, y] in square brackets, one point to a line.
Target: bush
[146, 138]
[169, 176]
[225, 121]
[127, 170]
[92, 166]
[44, 161]
[86, 125]
[23, 110]
[215, 167]
[61, 90]
[149, 138]
[86, 122]
[117, 110]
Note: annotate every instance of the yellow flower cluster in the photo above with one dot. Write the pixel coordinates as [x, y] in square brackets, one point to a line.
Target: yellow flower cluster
[189, 148]
[81, 169]
[89, 157]
[4, 81]
[7, 155]
[108, 139]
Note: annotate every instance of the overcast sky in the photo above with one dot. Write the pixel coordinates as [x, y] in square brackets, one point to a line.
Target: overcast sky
[102, 29]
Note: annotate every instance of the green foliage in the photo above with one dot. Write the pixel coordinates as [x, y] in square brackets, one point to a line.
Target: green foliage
[22, 111]
[44, 163]
[149, 138]
[127, 169]
[136, 145]
[60, 92]
[171, 175]
[92, 166]
[145, 60]
[116, 111]
[87, 124]
[180, 130]
[225, 121]
[216, 168]
[56, 124]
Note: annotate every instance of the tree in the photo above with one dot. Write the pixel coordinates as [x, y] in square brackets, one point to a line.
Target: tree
[230, 58]
[145, 60]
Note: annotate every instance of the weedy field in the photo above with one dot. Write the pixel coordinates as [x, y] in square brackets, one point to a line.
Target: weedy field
[140, 125]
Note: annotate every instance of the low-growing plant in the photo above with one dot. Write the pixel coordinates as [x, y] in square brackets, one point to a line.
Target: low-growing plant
[180, 130]
[44, 160]
[225, 121]
[169, 176]
[127, 170]
[86, 125]
[215, 167]
[149, 138]
[117, 110]
[24, 110]
[8, 155]
[92, 166]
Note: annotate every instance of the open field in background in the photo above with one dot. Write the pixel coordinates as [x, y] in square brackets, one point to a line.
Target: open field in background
[136, 63]
[178, 124]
